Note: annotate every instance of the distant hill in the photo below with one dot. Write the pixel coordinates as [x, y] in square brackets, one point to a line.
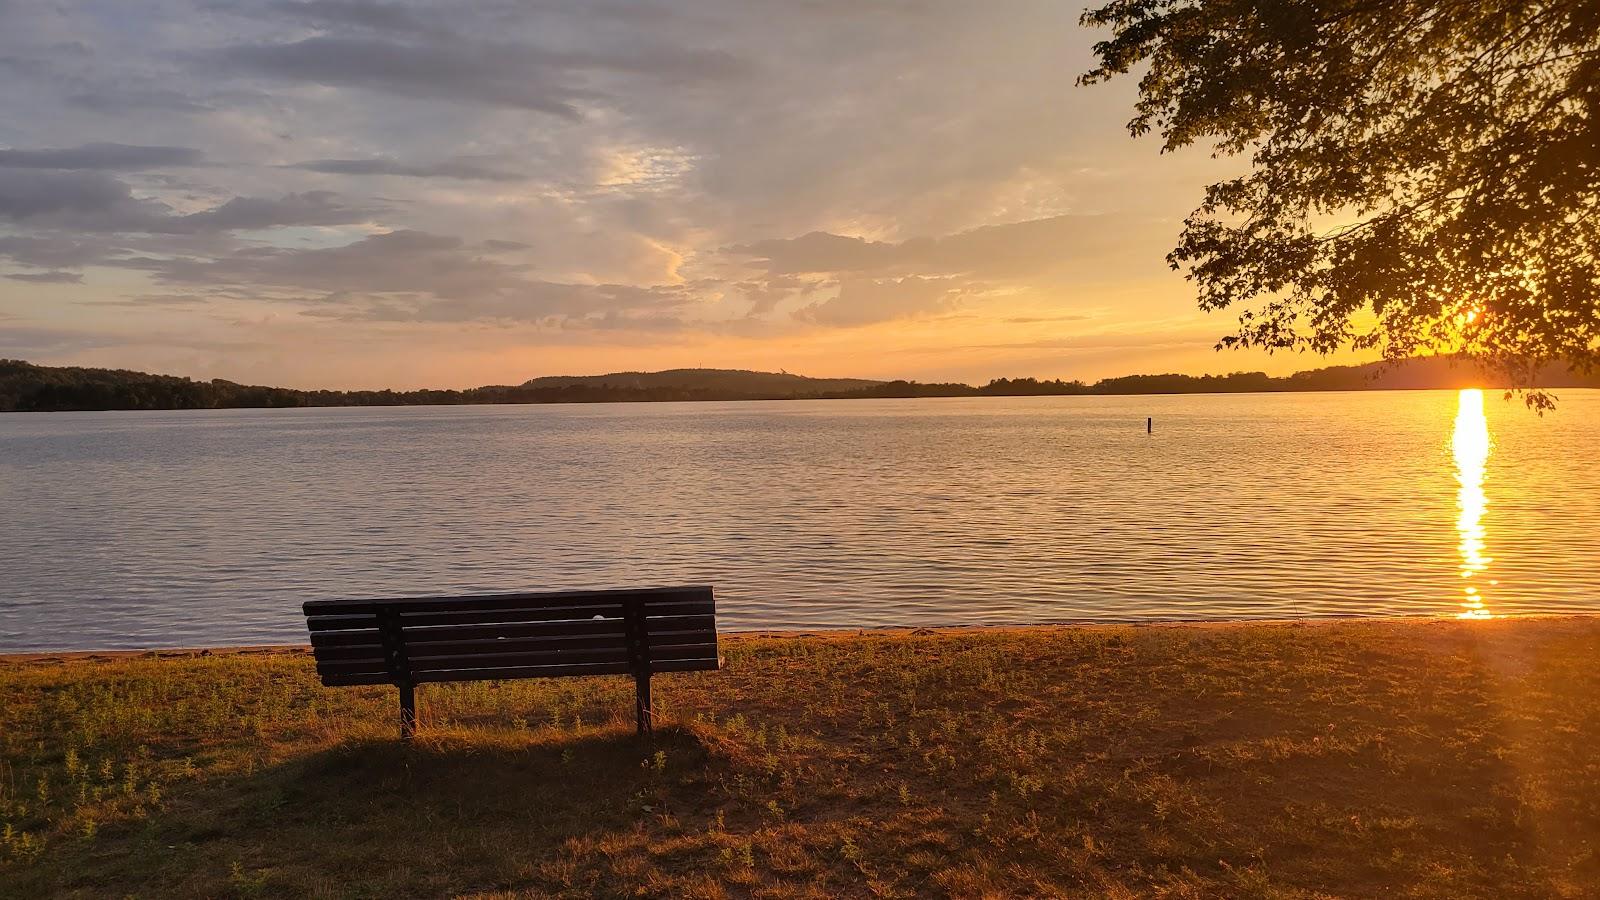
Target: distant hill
[28, 387]
[727, 381]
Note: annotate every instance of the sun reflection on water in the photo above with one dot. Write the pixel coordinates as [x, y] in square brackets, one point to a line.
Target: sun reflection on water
[1471, 445]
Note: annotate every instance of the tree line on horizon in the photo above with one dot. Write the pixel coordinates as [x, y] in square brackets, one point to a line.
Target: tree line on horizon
[25, 387]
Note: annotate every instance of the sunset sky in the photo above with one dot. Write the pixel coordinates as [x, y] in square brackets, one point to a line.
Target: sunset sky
[347, 193]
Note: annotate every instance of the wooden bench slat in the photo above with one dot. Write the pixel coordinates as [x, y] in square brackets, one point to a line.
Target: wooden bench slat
[352, 667]
[356, 651]
[338, 674]
[470, 636]
[655, 608]
[490, 655]
[472, 617]
[369, 623]
[530, 614]
[505, 601]
[501, 645]
[513, 672]
[420, 664]
[354, 680]
[335, 646]
[321, 639]
[683, 651]
[432, 634]
[681, 623]
[682, 635]
[341, 623]
[687, 665]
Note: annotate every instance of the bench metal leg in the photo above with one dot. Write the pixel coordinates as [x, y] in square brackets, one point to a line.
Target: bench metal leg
[641, 686]
[408, 711]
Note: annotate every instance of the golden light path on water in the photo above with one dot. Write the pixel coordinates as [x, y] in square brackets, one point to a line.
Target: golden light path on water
[1471, 446]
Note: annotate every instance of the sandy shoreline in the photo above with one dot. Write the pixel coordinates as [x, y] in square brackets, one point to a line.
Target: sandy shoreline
[58, 656]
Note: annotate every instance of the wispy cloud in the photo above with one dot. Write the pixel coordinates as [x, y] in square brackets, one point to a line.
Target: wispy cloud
[47, 277]
[464, 169]
[89, 202]
[103, 156]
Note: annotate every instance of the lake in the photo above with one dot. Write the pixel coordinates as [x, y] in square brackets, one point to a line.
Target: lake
[194, 528]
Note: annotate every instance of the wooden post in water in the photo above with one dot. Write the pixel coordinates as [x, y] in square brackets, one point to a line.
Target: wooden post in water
[1150, 425]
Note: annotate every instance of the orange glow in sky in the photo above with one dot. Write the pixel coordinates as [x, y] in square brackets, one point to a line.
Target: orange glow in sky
[885, 193]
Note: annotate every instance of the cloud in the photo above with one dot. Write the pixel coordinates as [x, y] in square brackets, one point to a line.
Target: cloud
[819, 251]
[1011, 249]
[96, 202]
[399, 262]
[1138, 339]
[864, 301]
[885, 280]
[1040, 320]
[602, 306]
[54, 251]
[462, 169]
[47, 277]
[766, 295]
[119, 100]
[380, 17]
[451, 72]
[254, 213]
[86, 201]
[102, 156]
[23, 341]
[443, 66]
[409, 276]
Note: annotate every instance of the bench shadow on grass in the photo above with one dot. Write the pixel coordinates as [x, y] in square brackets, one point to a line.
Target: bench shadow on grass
[443, 813]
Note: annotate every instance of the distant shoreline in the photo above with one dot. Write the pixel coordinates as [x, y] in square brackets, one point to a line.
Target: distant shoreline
[25, 387]
[1267, 391]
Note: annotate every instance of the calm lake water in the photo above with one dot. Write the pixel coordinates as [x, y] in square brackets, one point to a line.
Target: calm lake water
[123, 530]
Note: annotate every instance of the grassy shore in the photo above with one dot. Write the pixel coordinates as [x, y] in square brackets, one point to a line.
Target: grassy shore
[1438, 759]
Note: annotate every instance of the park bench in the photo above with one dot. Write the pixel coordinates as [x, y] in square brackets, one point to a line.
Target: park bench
[416, 640]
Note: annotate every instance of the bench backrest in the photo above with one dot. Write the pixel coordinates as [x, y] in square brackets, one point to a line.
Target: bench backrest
[415, 640]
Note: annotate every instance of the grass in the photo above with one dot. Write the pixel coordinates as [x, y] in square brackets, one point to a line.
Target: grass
[1407, 759]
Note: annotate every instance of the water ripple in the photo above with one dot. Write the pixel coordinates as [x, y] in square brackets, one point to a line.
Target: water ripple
[194, 528]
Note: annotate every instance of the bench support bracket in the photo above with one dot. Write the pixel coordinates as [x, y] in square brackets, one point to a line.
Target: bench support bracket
[639, 656]
[394, 654]
[408, 711]
[641, 702]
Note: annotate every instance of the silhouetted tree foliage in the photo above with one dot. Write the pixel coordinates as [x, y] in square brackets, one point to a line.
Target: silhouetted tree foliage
[1434, 163]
